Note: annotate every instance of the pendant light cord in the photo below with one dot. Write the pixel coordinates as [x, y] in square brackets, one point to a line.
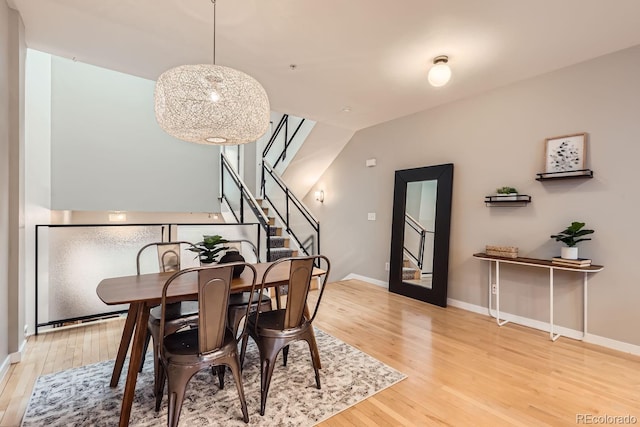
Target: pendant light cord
[214, 31]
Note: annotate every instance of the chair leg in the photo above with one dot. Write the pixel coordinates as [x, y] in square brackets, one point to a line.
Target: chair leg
[144, 351]
[234, 365]
[285, 354]
[158, 386]
[177, 380]
[243, 349]
[220, 371]
[267, 362]
[314, 357]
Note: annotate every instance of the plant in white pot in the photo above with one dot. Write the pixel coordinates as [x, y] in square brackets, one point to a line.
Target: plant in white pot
[209, 249]
[507, 193]
[571, 236]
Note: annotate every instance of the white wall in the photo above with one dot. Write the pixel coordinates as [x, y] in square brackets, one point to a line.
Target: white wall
[108, 152]
[497, 139]
[12, 304]
[37, 164]
[5, 105]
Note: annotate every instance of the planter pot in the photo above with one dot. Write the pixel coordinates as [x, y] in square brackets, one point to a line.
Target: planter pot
[510, 196]
[569, 252]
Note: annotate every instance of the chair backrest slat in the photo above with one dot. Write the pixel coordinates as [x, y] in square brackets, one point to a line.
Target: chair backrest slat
[168, 255]
[213, 289]
[299, 284]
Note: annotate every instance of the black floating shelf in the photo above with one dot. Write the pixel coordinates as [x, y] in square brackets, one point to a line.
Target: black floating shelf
[506, 200]
[580, 174]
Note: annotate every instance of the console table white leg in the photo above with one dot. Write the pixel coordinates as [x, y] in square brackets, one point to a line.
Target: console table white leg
[490, 288]
[584, 307]
[503, 322]
[551, 334]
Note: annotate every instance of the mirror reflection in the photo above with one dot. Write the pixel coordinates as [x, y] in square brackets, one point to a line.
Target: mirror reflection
[419, 225]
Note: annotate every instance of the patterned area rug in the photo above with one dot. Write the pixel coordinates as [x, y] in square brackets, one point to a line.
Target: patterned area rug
[82, 396]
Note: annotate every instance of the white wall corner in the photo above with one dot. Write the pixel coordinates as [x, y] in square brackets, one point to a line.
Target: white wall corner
[544, 326]
[366, 279]
[17, 356]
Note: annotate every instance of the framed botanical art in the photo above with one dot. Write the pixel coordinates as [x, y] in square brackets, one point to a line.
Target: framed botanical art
[566, 153]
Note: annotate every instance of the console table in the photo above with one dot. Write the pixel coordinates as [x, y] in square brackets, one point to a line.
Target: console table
[540, 263]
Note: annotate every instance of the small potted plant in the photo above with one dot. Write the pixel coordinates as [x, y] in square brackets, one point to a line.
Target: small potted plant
[507, 193]
[571, 236]
[209, 248]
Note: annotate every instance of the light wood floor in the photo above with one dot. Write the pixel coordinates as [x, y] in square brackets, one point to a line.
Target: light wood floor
[462, 368]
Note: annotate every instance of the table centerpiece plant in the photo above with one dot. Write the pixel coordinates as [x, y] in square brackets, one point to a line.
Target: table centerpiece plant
[209, 249]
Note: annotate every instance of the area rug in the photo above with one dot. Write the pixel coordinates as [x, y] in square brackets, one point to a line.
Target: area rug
[82, 396]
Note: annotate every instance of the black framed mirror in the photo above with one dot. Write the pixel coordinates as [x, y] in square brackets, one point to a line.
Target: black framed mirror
[419, 266]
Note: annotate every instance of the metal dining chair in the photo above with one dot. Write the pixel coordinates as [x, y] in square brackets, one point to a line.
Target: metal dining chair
[179, 314]
[238, 302]
[274, 330]
[211, 344]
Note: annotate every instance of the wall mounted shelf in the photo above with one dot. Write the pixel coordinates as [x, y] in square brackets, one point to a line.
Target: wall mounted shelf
[506, 200]
[580, 174]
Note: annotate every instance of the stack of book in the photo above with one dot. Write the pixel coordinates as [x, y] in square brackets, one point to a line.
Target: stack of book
[580, 262]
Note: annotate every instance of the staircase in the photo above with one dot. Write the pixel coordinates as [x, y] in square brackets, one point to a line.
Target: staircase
[410, 271]
[278, 244]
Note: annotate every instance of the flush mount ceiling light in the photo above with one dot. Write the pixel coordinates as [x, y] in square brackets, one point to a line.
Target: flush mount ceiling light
[211, 104]
[440, 73]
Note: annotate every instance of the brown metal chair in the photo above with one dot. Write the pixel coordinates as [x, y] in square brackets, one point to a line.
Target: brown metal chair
[274, 330]
[211, 344]
[179, 314]
[238, 302]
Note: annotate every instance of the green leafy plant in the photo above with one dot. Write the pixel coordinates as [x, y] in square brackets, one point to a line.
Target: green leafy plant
[506, 190]
[572, 235]
[209, 248]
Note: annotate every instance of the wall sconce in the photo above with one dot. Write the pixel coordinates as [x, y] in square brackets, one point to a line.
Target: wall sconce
[117, 216]
[319, 196]
[440, 73]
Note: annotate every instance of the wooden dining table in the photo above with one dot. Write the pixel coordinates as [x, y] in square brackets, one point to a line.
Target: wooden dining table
[144, 291]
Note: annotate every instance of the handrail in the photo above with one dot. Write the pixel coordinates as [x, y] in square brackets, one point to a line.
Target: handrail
[415, 222]
[253, 203]
[284, 122]
[245, 194]
[418, 228]
[290, 198]
[284, 187]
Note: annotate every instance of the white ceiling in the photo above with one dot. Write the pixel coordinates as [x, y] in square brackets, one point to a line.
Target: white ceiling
[370, 55]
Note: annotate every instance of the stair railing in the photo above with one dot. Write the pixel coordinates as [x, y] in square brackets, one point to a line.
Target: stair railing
[422, 232]
[238, 197]
[283, 126]
[293, 214]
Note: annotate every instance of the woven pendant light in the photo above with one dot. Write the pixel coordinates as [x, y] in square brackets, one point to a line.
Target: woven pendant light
[211, 104]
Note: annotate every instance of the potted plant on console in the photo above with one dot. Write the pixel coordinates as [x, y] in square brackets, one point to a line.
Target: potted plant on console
[209, 249]
[571, 236]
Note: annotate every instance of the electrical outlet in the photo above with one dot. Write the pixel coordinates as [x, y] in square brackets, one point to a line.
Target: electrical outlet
[494, 289]
[386, 266]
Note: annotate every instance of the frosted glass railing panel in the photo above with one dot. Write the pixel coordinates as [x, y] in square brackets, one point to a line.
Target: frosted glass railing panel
[195, 233]
[76, 259]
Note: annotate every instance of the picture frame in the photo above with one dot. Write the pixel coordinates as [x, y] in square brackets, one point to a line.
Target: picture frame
[566, 153]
